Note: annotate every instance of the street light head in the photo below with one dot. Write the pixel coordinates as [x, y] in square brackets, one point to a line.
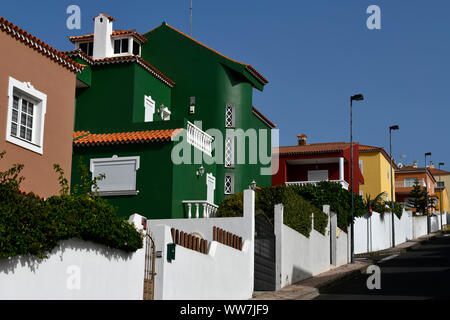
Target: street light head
[428, 154]
[394, 127]
[357, 97]
[441, 164]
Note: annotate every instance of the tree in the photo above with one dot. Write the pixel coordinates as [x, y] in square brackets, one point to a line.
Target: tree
[417, 198]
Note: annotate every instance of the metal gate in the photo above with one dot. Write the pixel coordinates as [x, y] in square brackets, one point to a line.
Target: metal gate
[149, 269]
[264, 254]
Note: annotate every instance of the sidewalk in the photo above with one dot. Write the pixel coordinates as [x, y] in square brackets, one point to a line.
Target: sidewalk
[309, 288]
[401, 248]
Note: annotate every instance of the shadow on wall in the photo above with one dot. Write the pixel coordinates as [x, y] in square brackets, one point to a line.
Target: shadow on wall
[298, 274]
[8, 265]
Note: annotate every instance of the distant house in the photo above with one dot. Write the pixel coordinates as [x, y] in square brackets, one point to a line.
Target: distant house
[375, 166]
[310, 163]
[405, 178]
[142, 94]
[442, 182]
[37, 108]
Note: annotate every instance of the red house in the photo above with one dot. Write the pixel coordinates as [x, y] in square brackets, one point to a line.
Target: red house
[311, 163]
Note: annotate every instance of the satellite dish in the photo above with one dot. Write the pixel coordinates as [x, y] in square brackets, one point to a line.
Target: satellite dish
[400, 165]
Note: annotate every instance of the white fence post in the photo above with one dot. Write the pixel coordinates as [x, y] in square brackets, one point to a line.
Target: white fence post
[278, 226]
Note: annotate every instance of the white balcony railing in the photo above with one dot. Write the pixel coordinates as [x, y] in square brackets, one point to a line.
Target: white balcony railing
[408, 183]
[344, 183]
[199, 139]
[209, 209]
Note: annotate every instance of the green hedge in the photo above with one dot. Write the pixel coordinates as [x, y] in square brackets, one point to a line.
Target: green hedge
[297, 211]
[34, 226]
[339, 199]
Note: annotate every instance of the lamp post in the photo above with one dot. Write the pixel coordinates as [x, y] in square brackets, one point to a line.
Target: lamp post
[396, 127]
[440, 190]
[426, 193]
[356, 97]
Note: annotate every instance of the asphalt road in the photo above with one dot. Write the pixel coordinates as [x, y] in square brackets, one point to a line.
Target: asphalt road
[423, 273]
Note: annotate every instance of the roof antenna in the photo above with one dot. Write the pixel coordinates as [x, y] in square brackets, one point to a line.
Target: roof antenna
[190, 32]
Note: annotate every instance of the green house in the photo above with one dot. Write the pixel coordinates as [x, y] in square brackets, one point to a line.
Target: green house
[167, 120]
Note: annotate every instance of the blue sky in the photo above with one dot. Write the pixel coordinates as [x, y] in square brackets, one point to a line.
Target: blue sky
[315, 54]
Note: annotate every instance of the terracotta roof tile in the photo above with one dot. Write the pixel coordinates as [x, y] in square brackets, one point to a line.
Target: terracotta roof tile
[329, 147]
[436, 172]
[85, 138]
[364, 148]
[38, 45]
[115, 33]
[125, 59]
[109, 17]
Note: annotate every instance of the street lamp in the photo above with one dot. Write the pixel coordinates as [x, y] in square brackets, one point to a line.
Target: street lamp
[426, 193]
[440, 190]
[396, 127]
[356, 97]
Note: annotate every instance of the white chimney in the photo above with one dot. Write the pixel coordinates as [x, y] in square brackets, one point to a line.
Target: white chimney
[103, 29]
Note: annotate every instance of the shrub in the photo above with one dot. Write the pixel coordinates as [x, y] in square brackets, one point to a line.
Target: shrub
[339, 199]
[32, 225]
[297, 211]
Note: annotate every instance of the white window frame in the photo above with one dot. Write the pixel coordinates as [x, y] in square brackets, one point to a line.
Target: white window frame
[233, 123]
[124, 53]
[231, 175]
[231, 155]
[39, 99]
[149, 106]
[112, 161]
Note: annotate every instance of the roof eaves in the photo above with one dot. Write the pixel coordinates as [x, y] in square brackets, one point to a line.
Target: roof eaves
[34, 43]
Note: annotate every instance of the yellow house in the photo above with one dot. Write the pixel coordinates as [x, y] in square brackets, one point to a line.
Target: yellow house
[376, 170]
[438, 191]
[442, 180]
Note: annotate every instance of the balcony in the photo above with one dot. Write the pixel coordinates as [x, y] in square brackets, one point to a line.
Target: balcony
[408, 184]
[209, 209]
[344, 183]
[199, 139]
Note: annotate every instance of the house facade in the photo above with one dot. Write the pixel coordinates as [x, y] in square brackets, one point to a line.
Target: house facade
[311, 163]
[405, 178]
[37, 108]
[161, 126]
[375, 166]
[442, 182]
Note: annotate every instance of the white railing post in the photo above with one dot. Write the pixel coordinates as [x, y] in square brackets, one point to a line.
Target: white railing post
[189, 210]
[197, 215]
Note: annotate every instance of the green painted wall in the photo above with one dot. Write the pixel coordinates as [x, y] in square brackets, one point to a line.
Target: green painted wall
[115, 100]
[215, 82]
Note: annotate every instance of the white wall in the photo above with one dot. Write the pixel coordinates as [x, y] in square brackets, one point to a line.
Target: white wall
[223, 273]
[299, 257]
[103, 273]
[375, 234]
[419, 226]
[343, 248]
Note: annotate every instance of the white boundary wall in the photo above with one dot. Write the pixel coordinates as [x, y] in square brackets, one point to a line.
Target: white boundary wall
[76, 269]
[222, 273]
[373, 233]
[299, 257]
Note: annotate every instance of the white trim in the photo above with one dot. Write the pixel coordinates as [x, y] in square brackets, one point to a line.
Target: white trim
[149, 107]
[40, 100]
